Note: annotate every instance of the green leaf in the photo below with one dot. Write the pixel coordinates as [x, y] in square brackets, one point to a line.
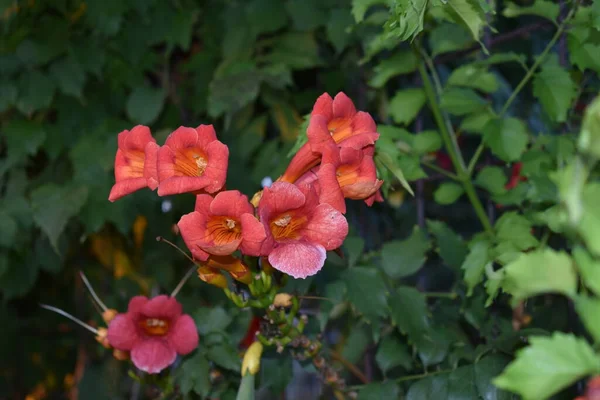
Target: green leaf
[492, 179]
[306, 14]
[589, 224]
[233, 87]
[401, 63]
[426, 142]
[473, 76]
[430, 388]
[448, 193]
[144, 104]
[392, 353]
[589, 138]
[266, 16]
[469, 13]
[555, 89]
[476, 122]
[588, 309]
[297, 50]
[548, 365]
[8, 230]
[513, 235]
[589, 269]
[224, 355]
[474, 264]
[406, 104]
[582, 53]
[360, 7]
[447, 37]
[354, 246]
[194, 375]
[211, 319]
[408, 308]
[246, 390]
[542, 8]
[406, 20]
[404, 258]
[366, 291]
[386, 161]
[451, 246]
[36, 92]
[24, 137]
[507, 138]
[380, 390]
[340, 20]
[459, 101]
[540, 271]
[52, 207]
[69, 76]
[8, 95]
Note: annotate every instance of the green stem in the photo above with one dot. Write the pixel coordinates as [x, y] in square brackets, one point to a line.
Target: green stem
[446, 295]
[440, 170]
[541, 58]
[454, 151]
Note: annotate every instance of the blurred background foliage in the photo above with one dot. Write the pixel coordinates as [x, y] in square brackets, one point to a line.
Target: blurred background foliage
[75, 73]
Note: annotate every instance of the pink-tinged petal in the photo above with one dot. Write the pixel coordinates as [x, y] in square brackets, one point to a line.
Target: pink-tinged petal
[362, 122]
[323, 106]
[153, 355]
[138, 137]
[343, 107]
[360, 141]
[311, 197]
[303, 161]
[317, 132]
[327, 227]
[162, 306]
[231, 203]
[349, 155]
[308, 178]
[192, 227]
[203, 204]
[330, 192]
[136, 304]
[222, 249]
[206, 135]
[151, 165]
[377, 197]
[182, 184]
[298, 259]
[216, 169]
[126, 187]
[182, 138]
[165, 163]
[183, 335]
[122, 332]
[253, 235]
[362, 189]
[280, 197]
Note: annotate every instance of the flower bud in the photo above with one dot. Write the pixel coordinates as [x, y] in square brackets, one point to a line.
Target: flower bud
[121, 355]
[109, 314]
[251, 361]
[283, 300]
[212, 276]
[102, 337]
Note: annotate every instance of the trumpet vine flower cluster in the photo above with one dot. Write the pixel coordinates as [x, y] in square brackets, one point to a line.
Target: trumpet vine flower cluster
[292, 223]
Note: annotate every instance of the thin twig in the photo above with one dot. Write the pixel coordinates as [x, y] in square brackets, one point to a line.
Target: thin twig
[92, 292]
[351, 367]
[72, 318]
[183, 281]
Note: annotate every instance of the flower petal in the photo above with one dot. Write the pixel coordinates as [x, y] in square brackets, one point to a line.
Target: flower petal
[298, 259]
[153, 355]
[125, 187]
[184, 335]
[150, 165]
[303, 161]
[206, 135]
[122, 332]
[192, 227]
[162, 306]
[231, 203]
[330, 192]
[362, 122]
[253, 235]
[182, 138]
[182, 184]
[280, 197]
[343, 107]
[376, 197]
[136, 304]
[136, 138]
[216, 169]
[203, 204]
[328, 227]
[323, 106]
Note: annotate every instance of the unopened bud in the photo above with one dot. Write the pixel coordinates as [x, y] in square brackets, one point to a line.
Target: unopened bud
[109, 314]
[212, 276]
[121, 355]
[102, 337]
[251, 361]
[282, 300]
[256, 198]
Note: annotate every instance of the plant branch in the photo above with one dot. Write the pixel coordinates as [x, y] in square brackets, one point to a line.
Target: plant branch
[453, 150]
[351, 367]
[440, 170]
[526, 78]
